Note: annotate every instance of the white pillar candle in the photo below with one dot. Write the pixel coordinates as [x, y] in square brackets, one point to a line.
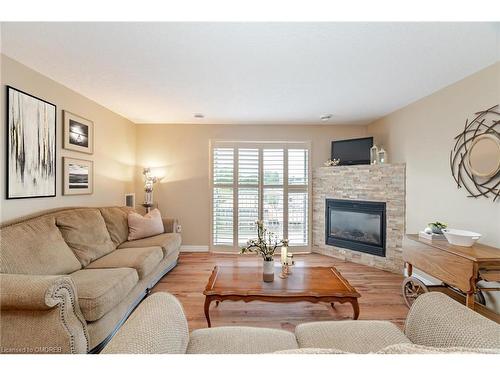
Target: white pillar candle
[284, 255]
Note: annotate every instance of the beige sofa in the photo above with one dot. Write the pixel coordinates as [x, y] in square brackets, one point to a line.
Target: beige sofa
[69, 277]
[435, 324]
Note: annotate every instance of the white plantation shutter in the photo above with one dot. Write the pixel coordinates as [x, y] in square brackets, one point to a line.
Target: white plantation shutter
[273, 210]
[273, 166]
[248, 193]
[298, 218]
[223, 216]
[273, 169]
[248, 213]
[298, 170]
[267, 181]
[248, 166]
[223, 200]
[223, 165]
[298, 197]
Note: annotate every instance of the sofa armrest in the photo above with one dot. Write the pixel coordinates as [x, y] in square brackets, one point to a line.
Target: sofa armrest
[31, 292]
[439, 321]
[170, 225]
[40, 314]
[157, 326]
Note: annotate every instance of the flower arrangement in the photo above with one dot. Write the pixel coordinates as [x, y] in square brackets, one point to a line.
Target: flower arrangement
[265, 245]
[332, 163]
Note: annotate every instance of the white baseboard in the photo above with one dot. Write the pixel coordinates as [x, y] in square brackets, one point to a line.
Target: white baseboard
[194, 249]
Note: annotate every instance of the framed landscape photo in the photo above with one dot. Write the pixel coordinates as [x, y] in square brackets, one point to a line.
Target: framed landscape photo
[78, 133]
[78, 176]
[31, 146]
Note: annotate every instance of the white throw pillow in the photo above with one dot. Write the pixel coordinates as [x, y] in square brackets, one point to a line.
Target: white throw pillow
[148, 225]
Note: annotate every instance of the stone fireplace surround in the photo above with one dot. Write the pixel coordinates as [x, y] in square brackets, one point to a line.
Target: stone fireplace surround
[383, 183]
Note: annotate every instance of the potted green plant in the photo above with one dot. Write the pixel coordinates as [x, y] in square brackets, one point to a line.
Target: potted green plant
[265, 245]
[437, 227]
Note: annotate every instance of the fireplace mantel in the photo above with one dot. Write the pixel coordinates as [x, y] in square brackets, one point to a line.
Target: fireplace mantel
[380, 183]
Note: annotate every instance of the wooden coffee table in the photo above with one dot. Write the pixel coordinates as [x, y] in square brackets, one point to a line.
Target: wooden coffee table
[311, 284]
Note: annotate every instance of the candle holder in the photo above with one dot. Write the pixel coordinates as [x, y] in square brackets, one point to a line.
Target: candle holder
[286, 267]
[290, 262]
[284, 271]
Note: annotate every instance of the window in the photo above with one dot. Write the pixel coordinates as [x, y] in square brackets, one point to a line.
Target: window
[267, 181]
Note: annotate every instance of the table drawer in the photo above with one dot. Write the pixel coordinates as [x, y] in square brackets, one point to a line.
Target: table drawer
[449, 268]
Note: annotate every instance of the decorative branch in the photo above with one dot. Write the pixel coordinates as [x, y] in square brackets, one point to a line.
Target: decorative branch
[265, 245]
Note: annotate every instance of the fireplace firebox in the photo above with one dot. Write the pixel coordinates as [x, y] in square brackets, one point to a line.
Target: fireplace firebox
[356, 225]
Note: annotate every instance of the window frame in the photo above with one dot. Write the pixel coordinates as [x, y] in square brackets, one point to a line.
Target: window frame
[260, 145]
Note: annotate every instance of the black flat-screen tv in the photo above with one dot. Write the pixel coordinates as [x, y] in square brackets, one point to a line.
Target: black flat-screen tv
[352, 151]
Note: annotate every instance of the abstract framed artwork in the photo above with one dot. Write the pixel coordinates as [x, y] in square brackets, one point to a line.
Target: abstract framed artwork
[78, 133]
[31, 146]
[78, 176]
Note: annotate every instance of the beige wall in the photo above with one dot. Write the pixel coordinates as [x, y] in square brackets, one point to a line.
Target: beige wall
[180, 152]
[421, 135]
[114, 147]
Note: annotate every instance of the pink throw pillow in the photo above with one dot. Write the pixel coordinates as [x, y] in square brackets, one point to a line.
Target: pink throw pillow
[148, 225]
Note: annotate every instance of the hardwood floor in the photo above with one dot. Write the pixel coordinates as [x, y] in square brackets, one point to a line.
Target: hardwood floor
[381, 297]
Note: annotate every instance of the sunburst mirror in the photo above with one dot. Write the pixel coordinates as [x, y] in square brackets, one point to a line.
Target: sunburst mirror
[475, 158]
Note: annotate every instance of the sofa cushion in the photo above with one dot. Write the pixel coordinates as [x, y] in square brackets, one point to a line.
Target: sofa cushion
[169, 242]
[99, 290]
[240, 340]
[36, 247]
[116, 219]
[145, 226]
[84, 230]
[100, 329]
[360, 336]
[142, 259]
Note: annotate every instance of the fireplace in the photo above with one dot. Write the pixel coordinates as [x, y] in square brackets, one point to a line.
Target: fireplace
[356, 225]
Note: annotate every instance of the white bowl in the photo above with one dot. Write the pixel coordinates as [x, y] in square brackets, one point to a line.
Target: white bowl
[461, 237]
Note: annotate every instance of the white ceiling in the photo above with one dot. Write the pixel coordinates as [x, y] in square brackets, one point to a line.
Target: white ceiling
[253, 72]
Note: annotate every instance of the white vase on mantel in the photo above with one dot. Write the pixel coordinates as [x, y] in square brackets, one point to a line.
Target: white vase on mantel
[268, 271]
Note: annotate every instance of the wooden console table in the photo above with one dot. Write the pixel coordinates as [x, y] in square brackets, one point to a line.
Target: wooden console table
[456, 266]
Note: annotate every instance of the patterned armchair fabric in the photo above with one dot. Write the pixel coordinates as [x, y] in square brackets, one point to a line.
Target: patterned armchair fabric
[439, 321]
[435, 324]
[157, 326]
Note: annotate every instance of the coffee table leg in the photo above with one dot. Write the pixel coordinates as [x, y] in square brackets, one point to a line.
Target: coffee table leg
[355, 307]
[207, 313]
